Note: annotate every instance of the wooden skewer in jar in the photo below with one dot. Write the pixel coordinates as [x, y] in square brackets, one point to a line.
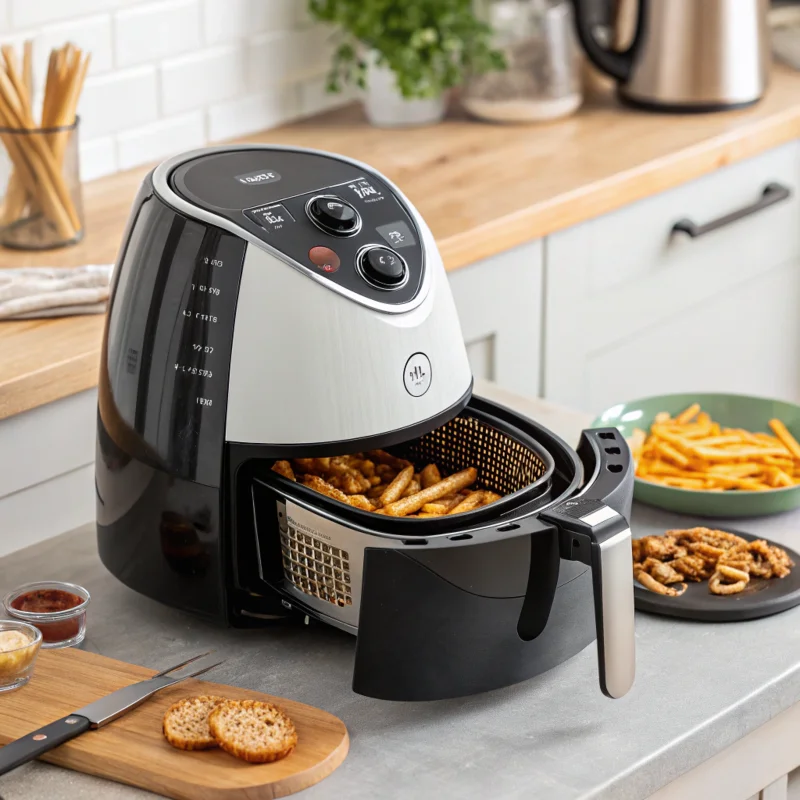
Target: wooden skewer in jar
[37, 181]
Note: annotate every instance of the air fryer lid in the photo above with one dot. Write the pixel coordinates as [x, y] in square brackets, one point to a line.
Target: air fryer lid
[277, 195]
[237, 179]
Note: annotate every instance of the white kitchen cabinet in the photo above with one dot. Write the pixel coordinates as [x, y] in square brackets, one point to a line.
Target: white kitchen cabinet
[499, 303]
[635, 310]
[47, 471]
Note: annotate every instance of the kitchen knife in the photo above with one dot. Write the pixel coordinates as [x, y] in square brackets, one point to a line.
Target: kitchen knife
[99, 713]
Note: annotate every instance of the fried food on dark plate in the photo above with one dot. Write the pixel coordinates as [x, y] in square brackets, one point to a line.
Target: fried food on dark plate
[725, 560]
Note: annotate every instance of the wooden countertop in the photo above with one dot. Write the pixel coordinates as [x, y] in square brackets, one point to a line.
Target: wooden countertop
[482, 189]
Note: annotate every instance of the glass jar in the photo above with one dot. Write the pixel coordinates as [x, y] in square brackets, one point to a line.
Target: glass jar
[542, 79]
[57, 609]
[19, 646]
[40, 187]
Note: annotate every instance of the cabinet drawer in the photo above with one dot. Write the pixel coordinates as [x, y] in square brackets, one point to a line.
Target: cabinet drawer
[745, 341]
[612, 280]
[632, 271]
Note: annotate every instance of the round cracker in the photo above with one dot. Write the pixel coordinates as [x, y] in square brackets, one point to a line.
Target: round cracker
[252, 730]
[186, 722]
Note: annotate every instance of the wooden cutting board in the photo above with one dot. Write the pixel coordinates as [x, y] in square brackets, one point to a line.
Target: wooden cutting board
[133, 750]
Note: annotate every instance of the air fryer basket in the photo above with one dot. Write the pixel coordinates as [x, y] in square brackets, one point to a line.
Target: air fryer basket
[506, 464]
[509, 461]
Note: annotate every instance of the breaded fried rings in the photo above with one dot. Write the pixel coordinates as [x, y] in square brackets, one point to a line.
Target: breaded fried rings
[726, 560]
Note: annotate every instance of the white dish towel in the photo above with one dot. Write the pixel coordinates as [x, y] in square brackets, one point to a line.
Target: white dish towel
[31, 292]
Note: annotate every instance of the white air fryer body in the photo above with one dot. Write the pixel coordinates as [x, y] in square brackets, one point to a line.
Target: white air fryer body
[313, 362]
[311, 366]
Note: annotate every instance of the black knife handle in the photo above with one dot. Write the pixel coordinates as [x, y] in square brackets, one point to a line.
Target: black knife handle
[36, 743]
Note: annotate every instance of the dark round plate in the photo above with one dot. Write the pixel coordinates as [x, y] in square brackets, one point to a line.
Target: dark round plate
[761, 597]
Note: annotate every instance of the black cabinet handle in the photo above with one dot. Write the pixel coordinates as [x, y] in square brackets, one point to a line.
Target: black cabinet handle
[773, 193]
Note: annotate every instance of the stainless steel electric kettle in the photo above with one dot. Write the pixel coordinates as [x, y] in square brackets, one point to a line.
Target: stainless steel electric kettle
[687, 55]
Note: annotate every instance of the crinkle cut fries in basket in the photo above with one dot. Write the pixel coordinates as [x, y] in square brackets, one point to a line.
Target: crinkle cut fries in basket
[380, 482]
[692, 451]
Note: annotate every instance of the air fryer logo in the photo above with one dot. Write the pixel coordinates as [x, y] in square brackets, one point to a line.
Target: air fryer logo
[256, 178]
[417, 375]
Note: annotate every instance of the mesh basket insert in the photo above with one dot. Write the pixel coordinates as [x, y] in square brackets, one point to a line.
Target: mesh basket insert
[315, 567]
[505, 465]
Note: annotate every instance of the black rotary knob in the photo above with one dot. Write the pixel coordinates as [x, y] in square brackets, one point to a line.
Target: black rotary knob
[382, 267]
[334, 215]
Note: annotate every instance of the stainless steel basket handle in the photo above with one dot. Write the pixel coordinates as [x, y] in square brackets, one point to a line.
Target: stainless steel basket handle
[593, 532]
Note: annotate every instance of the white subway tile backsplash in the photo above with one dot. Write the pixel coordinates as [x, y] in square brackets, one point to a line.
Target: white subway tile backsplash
[98, 157]
[160, 140]
[314, 97]
[281, 58]
[253, 113]
[302, 16]
[313, 49]
[268, 61]
[27, 13]
[149, 32]
[227, 20]
[169, 75]
[118, 101]
[202, 78]
[92, 34]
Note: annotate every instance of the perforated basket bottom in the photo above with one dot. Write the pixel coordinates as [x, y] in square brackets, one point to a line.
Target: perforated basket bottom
[315, 567]
[504, 464]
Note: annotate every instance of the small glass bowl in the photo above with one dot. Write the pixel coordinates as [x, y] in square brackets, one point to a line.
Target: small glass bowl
[16, 666]
[59, 628]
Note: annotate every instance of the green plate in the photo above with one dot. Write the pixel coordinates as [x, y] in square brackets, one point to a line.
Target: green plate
[730, 410]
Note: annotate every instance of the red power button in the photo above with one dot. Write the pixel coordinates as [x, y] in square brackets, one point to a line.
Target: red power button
[324, 258]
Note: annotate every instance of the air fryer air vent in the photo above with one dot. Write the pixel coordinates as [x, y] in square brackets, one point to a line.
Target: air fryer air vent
[504, 465]
[316, 568]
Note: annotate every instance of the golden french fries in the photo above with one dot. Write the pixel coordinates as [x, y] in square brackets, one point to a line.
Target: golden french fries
[472, 500]
[384, 484]
[394, 491]
[284, 468]
[691, 451]
[454, 483]
[786, 438]
[430, 475]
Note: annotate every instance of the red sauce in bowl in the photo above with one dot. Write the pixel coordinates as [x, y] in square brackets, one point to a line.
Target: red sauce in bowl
[50, 601]
[46, 601]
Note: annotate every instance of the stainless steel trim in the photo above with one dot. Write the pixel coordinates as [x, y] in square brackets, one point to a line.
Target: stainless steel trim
[382, 287]
[165, 192]
[321, 227]
[599, 516]
[619, 654]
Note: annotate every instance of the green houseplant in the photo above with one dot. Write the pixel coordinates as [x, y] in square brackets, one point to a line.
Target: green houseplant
[406, 53]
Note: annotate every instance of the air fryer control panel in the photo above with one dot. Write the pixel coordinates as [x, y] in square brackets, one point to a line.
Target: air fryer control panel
[329, 216]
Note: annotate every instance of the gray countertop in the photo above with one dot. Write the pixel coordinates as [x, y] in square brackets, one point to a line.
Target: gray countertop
[699, 688]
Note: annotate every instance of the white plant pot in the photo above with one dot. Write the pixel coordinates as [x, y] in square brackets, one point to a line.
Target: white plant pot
[385, 107]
